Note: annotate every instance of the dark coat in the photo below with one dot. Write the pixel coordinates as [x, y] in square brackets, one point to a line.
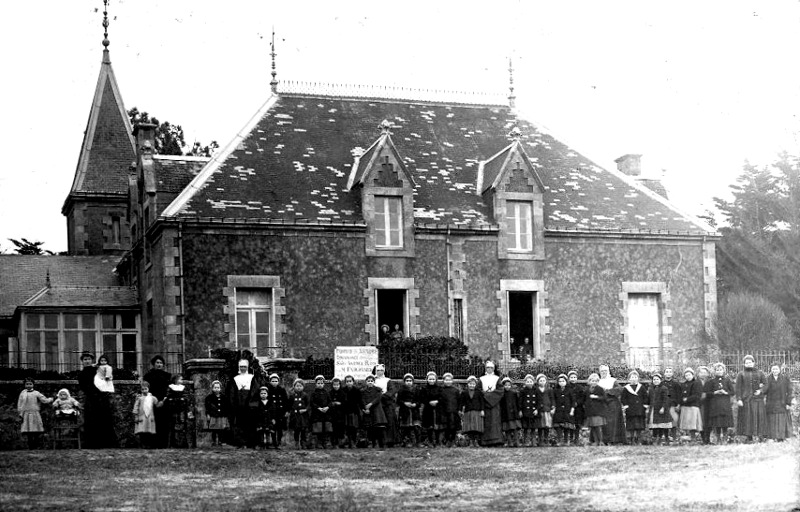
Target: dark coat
[779, 394]
[528, 403]
[159, 381]
[448, 401]
[673, 390]
[375, 416]
[473, 403]
[319, 399]
[509, 406]
[337, 400]
[545, 400]
[719, 404]
[635, 399]
[748, 382]
[595, 406]
[565, 402]
[261, 415]
[408, 395]
[691, 391]
[216, 406]
[352, 401]
[278, 404]
[86, 381]
[579, 394]
[426, 395]
[658, 398]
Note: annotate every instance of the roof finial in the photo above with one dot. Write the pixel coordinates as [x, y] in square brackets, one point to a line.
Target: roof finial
[47, 279]
[515, 133]
[105, 32]
[512, 99]
[273, 84]
[385, 127]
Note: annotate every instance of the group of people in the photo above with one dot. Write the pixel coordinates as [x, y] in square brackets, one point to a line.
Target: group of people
[251, 412]
[161, 411]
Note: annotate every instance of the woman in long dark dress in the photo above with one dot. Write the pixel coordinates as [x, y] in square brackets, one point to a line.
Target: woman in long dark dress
[242, 390]
[752, 415]
[159, 380]
[720, 391]
[614, 429]
[779, 405]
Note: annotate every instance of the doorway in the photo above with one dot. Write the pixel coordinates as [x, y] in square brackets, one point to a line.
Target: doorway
[522, 324]
[391, 306]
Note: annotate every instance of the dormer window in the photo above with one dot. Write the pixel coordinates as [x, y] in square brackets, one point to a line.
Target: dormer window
[519, 223]
[389, 222]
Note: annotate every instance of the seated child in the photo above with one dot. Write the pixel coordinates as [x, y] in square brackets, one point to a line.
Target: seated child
[66, 406]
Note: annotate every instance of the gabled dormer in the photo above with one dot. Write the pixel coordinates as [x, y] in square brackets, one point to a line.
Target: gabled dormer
[510, 185]
[387, 201]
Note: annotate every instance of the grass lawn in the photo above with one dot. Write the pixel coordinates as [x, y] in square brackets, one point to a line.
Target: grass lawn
[641, 478]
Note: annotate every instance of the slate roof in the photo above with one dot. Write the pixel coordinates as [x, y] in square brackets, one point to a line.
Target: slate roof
[108, 150]
[173, 173]
[84, 296]
[23, 276]
[292, 164]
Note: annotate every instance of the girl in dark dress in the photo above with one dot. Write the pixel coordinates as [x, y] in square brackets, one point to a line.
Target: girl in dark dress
[262, 419]
[470, 406]
[658, 401]
[179, 407]
[634, 398]
[216, 413]
[779, 404]
[447, 410]
[752, 418]
[707, 388]
[373, 415]
[409, 419]
[351, 407]
[336, 412]
[546, 407]
[429, 397]
[691, 391]
[595, 405]
[529, 409]
[720, 414]
[564, 416]
[299, 420]
[320, 404]
[510, 413]
[579, 394]
[279, 406]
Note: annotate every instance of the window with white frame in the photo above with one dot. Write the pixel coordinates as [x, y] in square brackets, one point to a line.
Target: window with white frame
[519, 226]
[644, 329]
[254, 319]
[389, 222]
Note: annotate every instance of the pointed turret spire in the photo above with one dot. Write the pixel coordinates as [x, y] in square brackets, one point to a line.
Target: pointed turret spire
[106, 42]
[512, 99]
[273, 84]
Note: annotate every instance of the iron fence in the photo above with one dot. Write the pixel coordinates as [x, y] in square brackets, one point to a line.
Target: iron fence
[134, 364]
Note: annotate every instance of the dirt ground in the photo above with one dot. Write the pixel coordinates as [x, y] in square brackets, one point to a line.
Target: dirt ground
[686, 478]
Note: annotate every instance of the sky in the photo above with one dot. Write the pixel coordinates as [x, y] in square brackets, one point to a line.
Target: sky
[697, 88]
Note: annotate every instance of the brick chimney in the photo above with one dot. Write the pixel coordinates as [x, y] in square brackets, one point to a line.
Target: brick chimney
[630, 164]
[145, 135]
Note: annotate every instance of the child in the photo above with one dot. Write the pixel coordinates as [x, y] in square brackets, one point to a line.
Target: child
[528, 408]
[579, 395]
[634, 398]
[660, 420]
[278, 406]
[336, 413]
[509, 413]
[28, 409]
[470, 405]
[298, 420]
[320, 404]
[564, 416]
[447, 410]
[429, 396]
[674, 391]
[720, 415]
[178, 406]
[707, 389]
[66, 407]
[374, 417]
[409, 412]
[104, 378]
[595, 406]
[546, 402]
[691, 390]
[265, 423]
[352, 410]
[144, 414]
[216, 413]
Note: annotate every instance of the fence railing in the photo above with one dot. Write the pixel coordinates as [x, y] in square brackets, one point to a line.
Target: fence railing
[788, 361]
[69, 361]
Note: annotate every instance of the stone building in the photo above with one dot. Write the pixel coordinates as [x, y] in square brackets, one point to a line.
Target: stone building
[335, 212]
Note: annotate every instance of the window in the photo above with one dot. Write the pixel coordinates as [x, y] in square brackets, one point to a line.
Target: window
[391, 306]
[521, 324]
[458, 318]
[115, 230]
[644, 330]
[389, 221]
[79, 335]
[520, 232]
[253, 319]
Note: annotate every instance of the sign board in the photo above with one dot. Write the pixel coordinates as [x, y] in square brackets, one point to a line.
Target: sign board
[355, 361]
